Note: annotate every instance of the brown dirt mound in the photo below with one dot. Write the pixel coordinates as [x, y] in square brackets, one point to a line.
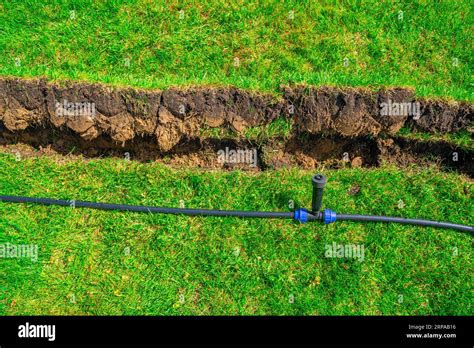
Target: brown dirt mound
[333, 126]
[170, 116]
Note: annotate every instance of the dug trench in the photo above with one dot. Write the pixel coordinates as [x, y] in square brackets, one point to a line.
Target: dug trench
[330, 126]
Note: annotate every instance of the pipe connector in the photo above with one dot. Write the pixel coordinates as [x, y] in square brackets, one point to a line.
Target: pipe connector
[301, 215]
[329, 216]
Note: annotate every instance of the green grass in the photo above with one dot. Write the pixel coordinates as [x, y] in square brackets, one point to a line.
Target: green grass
[275, 42]
[281, 127]
[96, 262]
[462, 139]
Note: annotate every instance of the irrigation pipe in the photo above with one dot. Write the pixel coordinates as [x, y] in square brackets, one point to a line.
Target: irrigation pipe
[302, 215]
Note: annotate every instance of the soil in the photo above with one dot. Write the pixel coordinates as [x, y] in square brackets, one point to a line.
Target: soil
[334, 126]
[305, 151]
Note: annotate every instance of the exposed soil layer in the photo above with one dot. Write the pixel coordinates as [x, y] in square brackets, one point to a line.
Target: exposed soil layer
[170, 115]
[334, 126]
[304, 151]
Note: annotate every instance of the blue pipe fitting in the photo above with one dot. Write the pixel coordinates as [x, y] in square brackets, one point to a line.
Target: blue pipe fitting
[329, 216]
[301, 215]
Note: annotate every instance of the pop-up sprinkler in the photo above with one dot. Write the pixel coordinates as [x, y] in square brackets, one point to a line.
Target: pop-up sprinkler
[302, 215]
[328, 216]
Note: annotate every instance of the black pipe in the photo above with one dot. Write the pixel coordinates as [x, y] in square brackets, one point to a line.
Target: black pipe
[303, 215]
[318, 181]
[418, 222]
[145, 209]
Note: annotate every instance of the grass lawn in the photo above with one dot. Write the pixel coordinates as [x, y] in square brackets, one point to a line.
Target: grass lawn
[104, 263]
[156, 44]
[96, 262]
